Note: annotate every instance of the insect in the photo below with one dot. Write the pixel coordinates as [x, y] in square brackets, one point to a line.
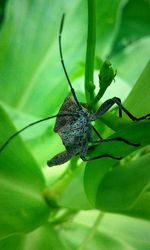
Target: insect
[73, 124]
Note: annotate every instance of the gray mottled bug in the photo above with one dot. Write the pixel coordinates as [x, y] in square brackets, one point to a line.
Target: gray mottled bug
[73, 124]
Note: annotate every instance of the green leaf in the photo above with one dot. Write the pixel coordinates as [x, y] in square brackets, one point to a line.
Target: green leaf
[141, 208]
[2, 11]
[108, 21]
[22, 206]
[101, 240]
[131, 62]
[45, 237]
[32, 62]
[76, 199]
[121, 188]
[95, 171]
[135, 22]
[114, 232]
[138, 100]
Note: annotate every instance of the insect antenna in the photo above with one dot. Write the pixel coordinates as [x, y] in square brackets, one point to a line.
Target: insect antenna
[30, 125]
[63, 64]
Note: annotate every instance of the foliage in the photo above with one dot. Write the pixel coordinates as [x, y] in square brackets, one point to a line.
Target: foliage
[41, 208]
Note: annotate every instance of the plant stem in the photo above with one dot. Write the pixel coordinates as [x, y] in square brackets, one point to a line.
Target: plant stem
[92, 232]
[90, 52]
[52, 192]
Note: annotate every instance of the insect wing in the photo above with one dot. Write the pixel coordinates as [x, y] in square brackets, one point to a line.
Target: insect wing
[68, 106]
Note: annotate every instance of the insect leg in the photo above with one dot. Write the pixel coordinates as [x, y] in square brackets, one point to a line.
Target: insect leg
[101, 156]
[132, 117]
[85, 158]
[115, 100]
[96, 132]
[115, 139]
[84, 150]
[60, 158]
